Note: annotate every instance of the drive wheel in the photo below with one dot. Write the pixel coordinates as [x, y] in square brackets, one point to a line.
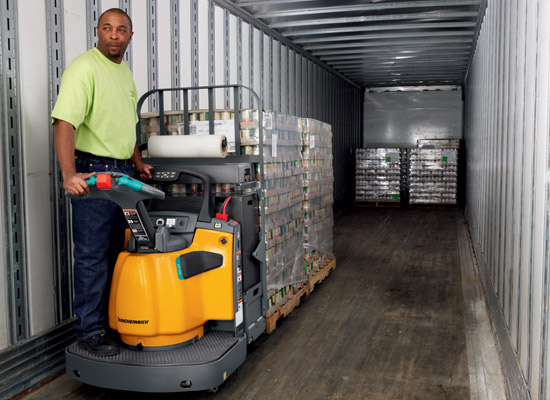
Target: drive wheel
[214, 389]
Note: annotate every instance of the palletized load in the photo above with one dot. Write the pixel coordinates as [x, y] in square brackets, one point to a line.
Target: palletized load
[297, 187]
[378, 174]
[433, 176]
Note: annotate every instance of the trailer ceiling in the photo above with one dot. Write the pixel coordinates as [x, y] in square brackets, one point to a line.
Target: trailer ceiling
[380, 42]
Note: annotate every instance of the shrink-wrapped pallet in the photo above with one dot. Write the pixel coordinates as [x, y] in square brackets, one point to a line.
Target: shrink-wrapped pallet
[296, 186]
[378, 174]
[433, 176]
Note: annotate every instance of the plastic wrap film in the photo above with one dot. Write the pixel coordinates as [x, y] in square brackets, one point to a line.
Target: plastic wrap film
[187, 146]
[318, 232]
[318, 179]
[282, 146]
[378, 174]
[283, 206]
[433, 176]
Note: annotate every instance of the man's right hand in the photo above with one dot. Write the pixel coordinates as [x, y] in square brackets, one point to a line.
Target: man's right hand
[76, 185]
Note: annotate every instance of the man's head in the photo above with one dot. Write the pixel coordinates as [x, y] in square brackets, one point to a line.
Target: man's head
[114, 32]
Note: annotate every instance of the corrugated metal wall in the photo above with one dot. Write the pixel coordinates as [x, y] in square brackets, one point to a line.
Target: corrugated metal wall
[506, 140]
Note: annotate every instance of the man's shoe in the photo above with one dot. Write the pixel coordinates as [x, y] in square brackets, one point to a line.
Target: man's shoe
[100, 345]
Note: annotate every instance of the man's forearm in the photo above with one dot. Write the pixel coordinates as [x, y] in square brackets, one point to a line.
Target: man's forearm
[136, 157]
[143, 169]
[64, 146]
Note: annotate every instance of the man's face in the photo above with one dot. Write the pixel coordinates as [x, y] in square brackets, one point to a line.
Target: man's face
[114, 35]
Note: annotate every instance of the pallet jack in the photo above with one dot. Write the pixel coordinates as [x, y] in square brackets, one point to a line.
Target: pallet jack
[189, 292]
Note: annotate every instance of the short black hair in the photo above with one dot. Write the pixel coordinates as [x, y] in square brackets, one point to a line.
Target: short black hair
[119, 11]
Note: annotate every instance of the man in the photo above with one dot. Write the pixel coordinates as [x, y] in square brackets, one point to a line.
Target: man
[94, 126]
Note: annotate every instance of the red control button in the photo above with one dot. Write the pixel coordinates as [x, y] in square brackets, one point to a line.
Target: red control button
[104, 181]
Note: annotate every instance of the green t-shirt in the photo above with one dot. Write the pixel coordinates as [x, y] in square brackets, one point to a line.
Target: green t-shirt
[99, 97]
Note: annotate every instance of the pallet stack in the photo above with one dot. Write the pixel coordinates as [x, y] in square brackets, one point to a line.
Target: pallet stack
[317, 180]
[433, 176]
[297, 194]
[378, 175]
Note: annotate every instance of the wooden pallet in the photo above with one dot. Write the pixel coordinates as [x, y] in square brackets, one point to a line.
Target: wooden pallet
[320, 275]
[294, 300]
[377, 203]
[433, 205]
[285, 309]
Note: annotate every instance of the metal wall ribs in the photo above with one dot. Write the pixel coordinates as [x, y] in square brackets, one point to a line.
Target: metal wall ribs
[93, 11]
[226, 51]
[175, 43]
[211, 44]
[240, 57]
[126, 6]
[195, 51]
[14, 195]
[152, 53]
[60, 203]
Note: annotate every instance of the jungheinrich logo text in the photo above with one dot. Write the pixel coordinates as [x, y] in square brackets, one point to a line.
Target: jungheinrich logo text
[133, 321]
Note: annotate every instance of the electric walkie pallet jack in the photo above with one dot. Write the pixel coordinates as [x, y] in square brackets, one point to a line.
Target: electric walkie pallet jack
[187, 294]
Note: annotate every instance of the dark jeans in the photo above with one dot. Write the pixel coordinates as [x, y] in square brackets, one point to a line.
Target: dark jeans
[98, 236]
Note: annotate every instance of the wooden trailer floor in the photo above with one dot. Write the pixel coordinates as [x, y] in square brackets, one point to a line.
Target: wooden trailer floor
[401, 317]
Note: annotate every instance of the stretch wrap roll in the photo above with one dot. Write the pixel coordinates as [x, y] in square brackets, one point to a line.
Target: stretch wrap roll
[187, 146]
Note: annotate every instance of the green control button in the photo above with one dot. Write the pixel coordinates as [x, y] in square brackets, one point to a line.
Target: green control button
[131, 183]
[91, 181]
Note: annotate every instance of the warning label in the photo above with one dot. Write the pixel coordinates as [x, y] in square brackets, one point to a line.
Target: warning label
[136, 226]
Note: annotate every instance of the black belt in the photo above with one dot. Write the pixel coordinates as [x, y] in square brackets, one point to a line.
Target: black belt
[103, 160]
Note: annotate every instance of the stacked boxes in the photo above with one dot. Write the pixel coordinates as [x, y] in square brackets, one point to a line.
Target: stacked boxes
[197, 189]
[283, 203]
[318, 193]
[433, 176]
[378, 174]
[249, 133]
